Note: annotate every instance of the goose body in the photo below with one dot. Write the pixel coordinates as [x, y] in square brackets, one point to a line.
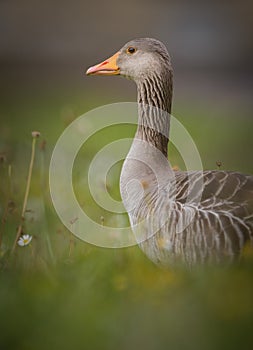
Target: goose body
[176, 216]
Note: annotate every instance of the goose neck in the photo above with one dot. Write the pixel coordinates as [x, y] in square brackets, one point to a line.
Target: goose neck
[154, 107]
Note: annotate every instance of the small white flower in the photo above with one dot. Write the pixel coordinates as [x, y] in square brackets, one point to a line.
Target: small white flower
[24, 240]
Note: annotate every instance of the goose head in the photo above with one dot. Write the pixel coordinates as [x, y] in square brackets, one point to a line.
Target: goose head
[136, 60]
[147, 62]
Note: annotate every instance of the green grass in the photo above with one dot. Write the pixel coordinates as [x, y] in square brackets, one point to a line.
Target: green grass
[61, 293]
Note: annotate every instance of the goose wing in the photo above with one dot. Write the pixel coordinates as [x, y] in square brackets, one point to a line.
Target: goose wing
[209, 218]
[223, 220]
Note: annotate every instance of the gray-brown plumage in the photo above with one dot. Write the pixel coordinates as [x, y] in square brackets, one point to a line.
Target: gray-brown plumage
[187, 216]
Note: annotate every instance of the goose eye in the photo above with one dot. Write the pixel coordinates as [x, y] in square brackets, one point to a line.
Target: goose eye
[131, 50]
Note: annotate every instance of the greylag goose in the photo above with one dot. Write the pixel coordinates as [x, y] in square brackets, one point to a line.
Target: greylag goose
[196, 216]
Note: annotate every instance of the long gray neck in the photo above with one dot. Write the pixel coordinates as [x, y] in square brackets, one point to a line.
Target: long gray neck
[154, 99]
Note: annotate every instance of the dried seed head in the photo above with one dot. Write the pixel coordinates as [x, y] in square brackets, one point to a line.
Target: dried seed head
[219, 164]
[73, 220]
[35, 134]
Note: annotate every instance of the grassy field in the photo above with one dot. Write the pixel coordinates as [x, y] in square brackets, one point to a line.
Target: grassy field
[60, 293]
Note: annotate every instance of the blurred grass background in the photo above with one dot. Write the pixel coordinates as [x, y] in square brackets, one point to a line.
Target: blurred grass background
[60, 292]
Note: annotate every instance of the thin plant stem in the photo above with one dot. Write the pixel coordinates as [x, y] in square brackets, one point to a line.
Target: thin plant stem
[28, 184]
[44, 197]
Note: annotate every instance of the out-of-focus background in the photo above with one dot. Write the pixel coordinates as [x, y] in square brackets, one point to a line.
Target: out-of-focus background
[45, 48]
[59, 292]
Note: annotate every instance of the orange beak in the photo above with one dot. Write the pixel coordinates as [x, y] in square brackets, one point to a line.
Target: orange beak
[108, 67]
